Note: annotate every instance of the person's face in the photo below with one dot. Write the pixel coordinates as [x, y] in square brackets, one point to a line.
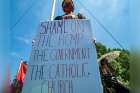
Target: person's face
[67, 8]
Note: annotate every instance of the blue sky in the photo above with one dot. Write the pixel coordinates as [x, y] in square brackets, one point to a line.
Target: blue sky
[118, 16]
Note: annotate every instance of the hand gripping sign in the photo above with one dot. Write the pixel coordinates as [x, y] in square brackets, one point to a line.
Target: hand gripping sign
[63, 59]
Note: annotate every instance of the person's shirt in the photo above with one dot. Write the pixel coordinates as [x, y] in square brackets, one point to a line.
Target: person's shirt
[105, 70]
[70, 16]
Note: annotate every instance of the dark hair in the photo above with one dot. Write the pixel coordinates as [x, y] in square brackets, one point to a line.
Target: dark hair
[72, 4]
[104, 61]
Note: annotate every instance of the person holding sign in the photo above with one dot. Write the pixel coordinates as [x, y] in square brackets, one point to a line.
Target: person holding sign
[68, 8]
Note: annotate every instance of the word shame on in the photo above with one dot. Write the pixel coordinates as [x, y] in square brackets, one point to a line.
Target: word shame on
[59, 27]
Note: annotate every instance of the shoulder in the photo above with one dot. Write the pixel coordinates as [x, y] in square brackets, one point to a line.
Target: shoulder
[58, 18]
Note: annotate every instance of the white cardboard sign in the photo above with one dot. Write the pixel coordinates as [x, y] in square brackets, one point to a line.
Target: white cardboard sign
[63, 59]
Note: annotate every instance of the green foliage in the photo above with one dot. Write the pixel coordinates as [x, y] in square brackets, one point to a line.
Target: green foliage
[119, 66]
[101, 49]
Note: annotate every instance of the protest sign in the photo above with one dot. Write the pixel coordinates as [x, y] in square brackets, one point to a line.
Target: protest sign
[63, 59]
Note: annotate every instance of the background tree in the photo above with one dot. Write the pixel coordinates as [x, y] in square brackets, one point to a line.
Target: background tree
[101, 49]
[119, 66]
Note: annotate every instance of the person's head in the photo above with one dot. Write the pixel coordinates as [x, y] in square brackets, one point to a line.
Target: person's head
[68, 6]
[104, 62]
